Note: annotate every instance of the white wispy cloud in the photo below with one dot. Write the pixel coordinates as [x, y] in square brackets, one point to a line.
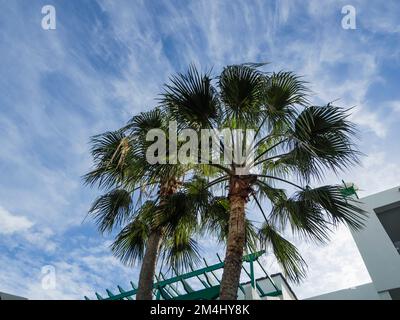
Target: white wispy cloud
[10, 223]
[77, 272]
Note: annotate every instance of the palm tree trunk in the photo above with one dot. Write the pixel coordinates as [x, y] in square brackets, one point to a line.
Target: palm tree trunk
[234, 249]
[149, 263]
[148, 268]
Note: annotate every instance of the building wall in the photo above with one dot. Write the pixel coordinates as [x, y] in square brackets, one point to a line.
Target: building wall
[377, 249]
[6, 296]
[267, 286]
[363, 292]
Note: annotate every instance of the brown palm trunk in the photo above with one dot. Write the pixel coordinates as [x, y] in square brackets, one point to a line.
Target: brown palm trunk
[234, 250]
[149, 263]
[238, 194]
[148, 268]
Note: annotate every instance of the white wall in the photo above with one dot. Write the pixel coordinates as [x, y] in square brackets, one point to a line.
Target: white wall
[377, 250]
[6, 296]
[267, 286]
[363, 292]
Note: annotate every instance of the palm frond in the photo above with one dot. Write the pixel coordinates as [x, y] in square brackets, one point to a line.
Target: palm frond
[112, 156]
[129, 245]
[241, 92]
[322, 137]
[181, 251]
[338, 208]
[305, 219]
[140, 124]
[312, 213]
[283, 92]
[112, 209]
[285, 252]
[191, 99]
[266, 191]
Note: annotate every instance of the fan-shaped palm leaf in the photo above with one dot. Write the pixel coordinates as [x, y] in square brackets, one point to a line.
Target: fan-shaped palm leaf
[285, 252]
[112, 209]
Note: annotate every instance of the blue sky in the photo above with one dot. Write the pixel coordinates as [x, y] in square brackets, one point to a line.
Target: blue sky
[108, 60]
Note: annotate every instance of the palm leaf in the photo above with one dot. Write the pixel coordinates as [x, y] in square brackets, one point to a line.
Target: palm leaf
[112, 209]
[180, 250]
[241, 89]
[191, 99]
[285, 252]
[322, 138]
[338, 208]
[112, 156]
[129, 245]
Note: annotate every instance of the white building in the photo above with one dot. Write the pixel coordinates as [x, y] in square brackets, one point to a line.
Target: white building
[7, 296]
[379, 246]
[275, 283]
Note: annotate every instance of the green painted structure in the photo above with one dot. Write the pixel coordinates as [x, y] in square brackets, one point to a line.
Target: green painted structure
[167, 289]
[348, 190]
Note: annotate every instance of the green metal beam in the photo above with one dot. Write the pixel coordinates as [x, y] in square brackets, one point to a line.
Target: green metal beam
[110, 294]
[257, 285]
[99, 297]
[164, 294]
[252, 279]
[205, 285]
[166, 288]
[210, 282]
[171, 286]
[253, 256]
[204, 294]
[123, 291]
[180, 278]
[185, 285]
[266, 273]
[272, 294]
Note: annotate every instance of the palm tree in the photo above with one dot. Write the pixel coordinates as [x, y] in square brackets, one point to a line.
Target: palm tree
[168, 221]
[121, 168]
[294, 144]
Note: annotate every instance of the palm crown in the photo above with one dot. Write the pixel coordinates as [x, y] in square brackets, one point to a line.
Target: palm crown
[294, 144]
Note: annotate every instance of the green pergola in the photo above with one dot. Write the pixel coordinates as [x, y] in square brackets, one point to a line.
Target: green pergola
[167, 289]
